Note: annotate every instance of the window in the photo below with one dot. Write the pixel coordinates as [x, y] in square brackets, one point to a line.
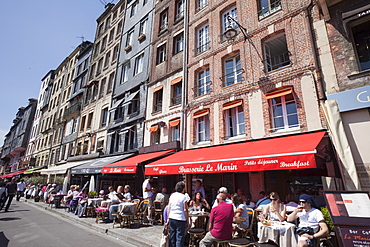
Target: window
[284, 112]
[119, 29]
[202, 128]
[276, 53]
[179, 9]
[233, 71]
[157, 100]
[125, 71]
[110, 82]
[130, 35]
[178, 41]
[130, 139]
[104, 117]
[111, 35]
[118, 113]
[163, 21]
[94, 92]
[102, 87]
[134, 8]
[100, 66]
[203, 39]
[103, 43]
[115, 142]
[174, 130]
[139, 60]
[155, 136]
[107, 58]
[92, 71]
[234, 121]
[361, 39]
[83, 121]
[176, 93]
[96, 51]
[134, 105]
[101, 29]
[201, 4]
[225, 21]
[115, 53]
[161, 54]
[204, 82]
[267, 7]
[143, 26]
[107, 23]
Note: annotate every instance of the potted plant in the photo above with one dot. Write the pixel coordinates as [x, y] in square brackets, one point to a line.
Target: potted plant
[93, 194]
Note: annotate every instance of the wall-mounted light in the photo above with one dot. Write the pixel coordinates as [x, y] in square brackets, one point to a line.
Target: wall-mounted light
[231, 32]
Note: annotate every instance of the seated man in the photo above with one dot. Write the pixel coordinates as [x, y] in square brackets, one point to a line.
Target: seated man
[163, 197]
[263, 201]
[116, 200]
[227, 200]
[308, 217]
[220, 222]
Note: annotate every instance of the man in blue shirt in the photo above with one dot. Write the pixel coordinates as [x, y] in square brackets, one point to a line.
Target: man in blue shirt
[264, 200]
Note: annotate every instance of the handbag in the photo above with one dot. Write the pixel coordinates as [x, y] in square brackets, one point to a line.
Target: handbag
[302, 230]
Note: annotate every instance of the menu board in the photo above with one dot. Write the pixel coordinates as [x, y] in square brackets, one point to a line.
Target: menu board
[349, 208]
[357, 237]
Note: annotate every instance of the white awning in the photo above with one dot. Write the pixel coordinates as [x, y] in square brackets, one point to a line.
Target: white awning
[61, 169]
[130, 98]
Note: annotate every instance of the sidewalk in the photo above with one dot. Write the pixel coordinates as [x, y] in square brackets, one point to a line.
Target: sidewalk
[145, 235]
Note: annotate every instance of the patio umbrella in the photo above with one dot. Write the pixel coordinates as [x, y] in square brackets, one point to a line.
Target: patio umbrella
[66, 181]
[92, 183]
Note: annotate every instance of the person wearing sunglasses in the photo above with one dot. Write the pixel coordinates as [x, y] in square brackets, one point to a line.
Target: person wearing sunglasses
[275, 210]
[311, 221]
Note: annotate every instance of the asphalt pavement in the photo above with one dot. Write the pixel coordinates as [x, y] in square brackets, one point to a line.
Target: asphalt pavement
[144, 235]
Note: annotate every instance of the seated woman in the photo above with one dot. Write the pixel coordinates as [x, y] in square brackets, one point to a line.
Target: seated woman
[82, 203]
[198, 202]
[116, 200]
[274, 210]
[290, 202]
[67, 199]
[240, 211]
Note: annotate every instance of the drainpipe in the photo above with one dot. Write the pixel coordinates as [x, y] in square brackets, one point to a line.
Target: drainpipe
[185, 78]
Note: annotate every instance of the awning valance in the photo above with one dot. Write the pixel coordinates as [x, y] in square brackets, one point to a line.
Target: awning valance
[129, 165]
[280, 153]
[177, 80]
[232, 104]
[153, 128]
[201, 113]
[61, 169]
[95, 166]
[30, 171]
[174, 122]
[279, 92]
[10, 175]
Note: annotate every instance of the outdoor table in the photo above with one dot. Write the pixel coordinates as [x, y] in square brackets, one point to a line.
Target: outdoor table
[238, 220]
[194, 215]
[106, 203]
[95, 202]
[281, 233]
[127, 207]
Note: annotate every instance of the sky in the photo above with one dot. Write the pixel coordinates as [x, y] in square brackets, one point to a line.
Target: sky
[36, 36]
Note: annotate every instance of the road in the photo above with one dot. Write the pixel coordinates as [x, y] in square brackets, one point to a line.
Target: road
[31, 226]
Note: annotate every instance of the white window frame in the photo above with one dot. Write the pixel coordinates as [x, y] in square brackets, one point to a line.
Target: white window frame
[125, 71]
[175, 133]
[130, 36]
[134, 8]
[232, 12]
[161, 53]
[204, 82]
[139, 63]
[233, 72]
[201, 4]
[202, 126]
[203, 39]
[143, 26]
[179, 43]
[234, 122]
[286, 126]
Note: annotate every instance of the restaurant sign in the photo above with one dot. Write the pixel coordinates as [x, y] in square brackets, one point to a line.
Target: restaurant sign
[235, 165]
[118, 170]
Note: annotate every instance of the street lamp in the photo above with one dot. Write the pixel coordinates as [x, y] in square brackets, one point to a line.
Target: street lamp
[230, 33]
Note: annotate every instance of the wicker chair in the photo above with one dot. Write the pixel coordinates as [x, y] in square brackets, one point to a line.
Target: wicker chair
[141, 211]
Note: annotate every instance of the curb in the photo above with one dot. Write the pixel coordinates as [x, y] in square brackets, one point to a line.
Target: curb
[103, 230]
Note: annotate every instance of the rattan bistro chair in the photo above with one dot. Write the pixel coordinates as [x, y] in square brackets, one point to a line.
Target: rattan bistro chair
[140, 213]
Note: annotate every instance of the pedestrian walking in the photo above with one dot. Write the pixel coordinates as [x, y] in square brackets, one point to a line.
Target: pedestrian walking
[12, 189]
[21, 187]
[178, 215]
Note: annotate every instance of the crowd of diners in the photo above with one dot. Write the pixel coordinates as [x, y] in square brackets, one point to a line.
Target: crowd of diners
[176, 207]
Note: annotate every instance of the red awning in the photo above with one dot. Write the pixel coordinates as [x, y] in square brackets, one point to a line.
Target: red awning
[9, 175]
[280, 153]
[129, 165]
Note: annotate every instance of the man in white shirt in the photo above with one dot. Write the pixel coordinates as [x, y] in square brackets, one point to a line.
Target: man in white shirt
[147, 195]
[21, 186]
[222, 190]
[308, 217]
[163, 197]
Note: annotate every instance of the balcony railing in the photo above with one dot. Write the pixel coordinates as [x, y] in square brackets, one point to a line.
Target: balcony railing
[203, 47]
[72, 109]
[277, 61]
[176, 100]
[157, 107]
[233, 78]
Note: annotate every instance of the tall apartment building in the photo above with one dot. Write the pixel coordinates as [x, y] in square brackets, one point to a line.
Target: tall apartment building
[92, 131]
[74, 101]
[36, 156]
[13, 152]
[253, 96]
[344, 43]
[129, 97]
[165, 87]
